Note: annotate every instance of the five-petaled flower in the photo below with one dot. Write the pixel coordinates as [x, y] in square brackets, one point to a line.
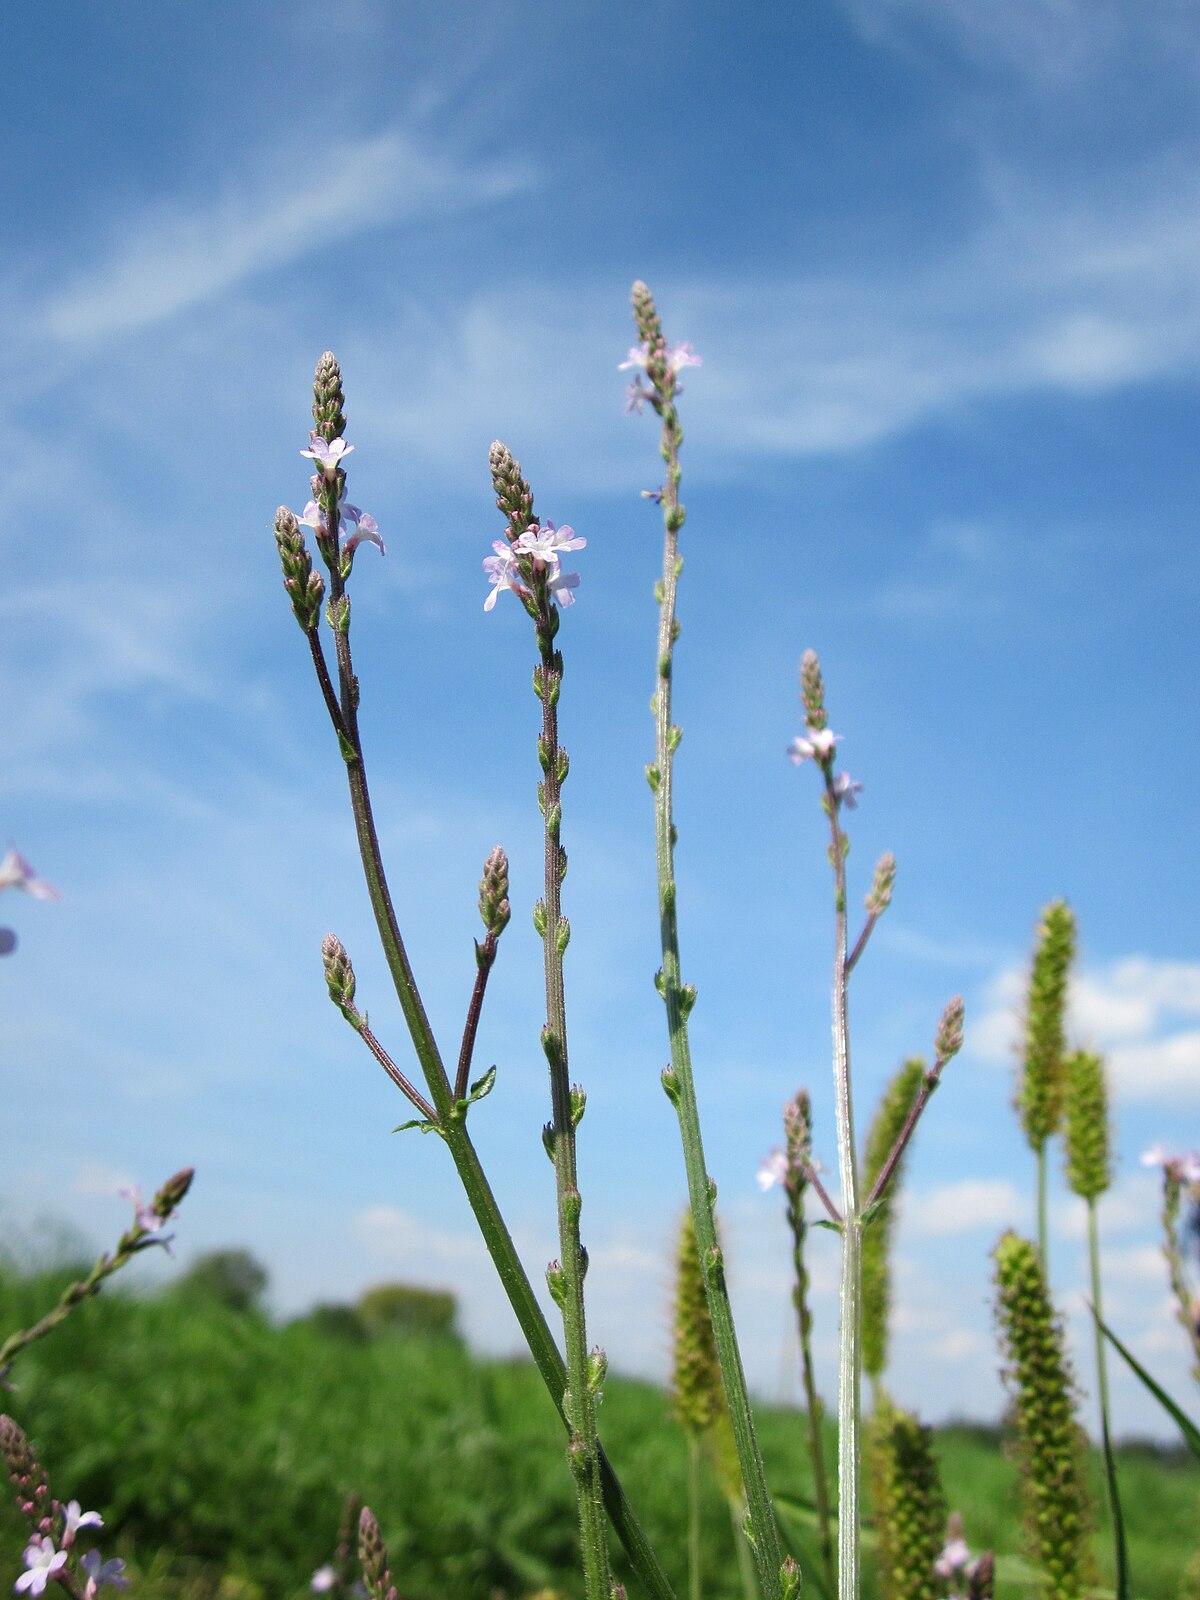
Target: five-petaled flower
[328, 454]
[99, 1573]
[365, 529]
[503, 573]
[636, 396]
[17, 873]
[677, 356]
[846, 791]
[73, 1517]
[43, 1562]
[816, 745]
[772, 1169]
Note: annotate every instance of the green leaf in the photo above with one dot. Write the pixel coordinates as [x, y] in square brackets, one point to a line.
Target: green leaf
[482, 1086]
[825, 1222]
[1191, 1434]
[418, 1122]
[1120, 1553]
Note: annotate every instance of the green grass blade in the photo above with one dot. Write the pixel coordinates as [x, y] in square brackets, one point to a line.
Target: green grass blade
[1191, 1434]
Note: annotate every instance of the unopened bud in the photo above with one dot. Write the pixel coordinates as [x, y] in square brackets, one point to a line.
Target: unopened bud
[514, 497]
[812, 690]
[372, 1553]
[339, 974]
[329, 417]
[880, 897]
[949, 1037]
[645, 314]
[493, 893]
[172, 1192]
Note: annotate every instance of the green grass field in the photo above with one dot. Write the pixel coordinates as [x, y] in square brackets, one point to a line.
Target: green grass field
[219, 1449]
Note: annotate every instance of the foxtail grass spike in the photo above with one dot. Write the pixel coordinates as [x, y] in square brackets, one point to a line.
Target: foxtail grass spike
[910, 1506]
[1085, 1108]
[1058, 1513]
[1039, 1097]
[696, 1391]
[884, 1133]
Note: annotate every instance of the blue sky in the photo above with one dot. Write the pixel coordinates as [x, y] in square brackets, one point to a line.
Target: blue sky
[941, 267]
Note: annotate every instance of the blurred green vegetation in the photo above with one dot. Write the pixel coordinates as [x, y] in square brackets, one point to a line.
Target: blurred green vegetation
[219, 1446]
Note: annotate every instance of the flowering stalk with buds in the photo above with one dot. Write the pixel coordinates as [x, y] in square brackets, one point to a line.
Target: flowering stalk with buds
[54, 1528]
[540, 583]
[442, 1106]
[143, 1233]
[818, 744]
[1181, 1176]
[662, 364]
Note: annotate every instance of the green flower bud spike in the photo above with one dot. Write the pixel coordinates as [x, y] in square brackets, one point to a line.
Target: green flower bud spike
[884, 1133]
[372, 1553]
[1049, 1441]
[910, 1506]
[329, 415]
[1040, 1091]
[28, 1477]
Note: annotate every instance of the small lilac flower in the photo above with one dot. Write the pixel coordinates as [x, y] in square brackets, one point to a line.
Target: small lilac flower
[503, 572]
[561, 585]
[545, 541]
[74, 1519]
[328, 454]
[682, 355]
[636, 396]
[314, 517]
[102, 1573]
[816, 746]
[145, 1218]
[1156, 1156]
[772, 1169]
[43, 1562]
[955, 1558]
[846, 790]
[322, 1580]
[638, 356]
[1185, 1168]
[17, 873]
[365, 529]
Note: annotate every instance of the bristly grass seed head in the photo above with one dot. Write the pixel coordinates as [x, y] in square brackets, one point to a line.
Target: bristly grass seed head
[1085, 1106]
[696, 1373]
[1039, 1096]
[910, 1506]
[1049, 1442]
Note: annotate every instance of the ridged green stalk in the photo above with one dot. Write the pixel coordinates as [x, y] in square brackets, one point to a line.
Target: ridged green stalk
[679, 997]
[1055, 1500]
[910, 1505]
[450, 1115]
[1040, 1091]
[883, 1135]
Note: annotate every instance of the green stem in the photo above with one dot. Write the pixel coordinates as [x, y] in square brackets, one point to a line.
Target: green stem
[1121, 1561]
[695, 1584]
[479, 1194]
[580, 1400]
[768, 1553]
[850, 1330]
[816, 1449]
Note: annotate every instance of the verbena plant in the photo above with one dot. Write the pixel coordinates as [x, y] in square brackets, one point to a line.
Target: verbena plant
[920, 1555]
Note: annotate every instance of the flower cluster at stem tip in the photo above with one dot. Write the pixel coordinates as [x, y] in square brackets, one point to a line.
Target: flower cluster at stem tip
[675, 358]
[818, 740]
[537, 551]
[329, 456]
[45, 1560]
[1184, 1168]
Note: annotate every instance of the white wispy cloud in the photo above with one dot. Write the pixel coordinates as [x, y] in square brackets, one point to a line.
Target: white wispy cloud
[1132, 1010]
[963, 1206]
[189, 248]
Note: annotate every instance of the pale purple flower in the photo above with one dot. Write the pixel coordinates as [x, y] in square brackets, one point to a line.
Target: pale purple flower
[772, 1169]
[365, 528]
[144, 1217]
[682, 355]
[74, 1518]
[322, 1580]
[955, 1558]
[846, 790]
[638, 356]
[1156, 1156]
[102, 1573]
[545, 541]
[503, 573]
[1186, 1168]
[17, 873]
[313, 517]
[636, 396]
[561, 585]
[328, 454]
[43, 1562]
[815, 745]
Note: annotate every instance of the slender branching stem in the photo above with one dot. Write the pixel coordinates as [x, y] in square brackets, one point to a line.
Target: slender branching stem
[412, 1094]
[861, 942]
[580, 1400]
[895, 1156]
[452, 1125]
[812, 1402]
[483, 967]
[1172, 1197]
[850, 1333]
[680, 1084]
[811, 1176]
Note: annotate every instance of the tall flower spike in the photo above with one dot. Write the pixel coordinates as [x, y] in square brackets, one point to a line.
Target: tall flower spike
[30, 1484]
[812, 691]
[514, 497]
[886, 1127]
[1049, 1442]
[645, 314]
[1039, 1098]
[1089, 1167]
[329, 417]
[910, 1506]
